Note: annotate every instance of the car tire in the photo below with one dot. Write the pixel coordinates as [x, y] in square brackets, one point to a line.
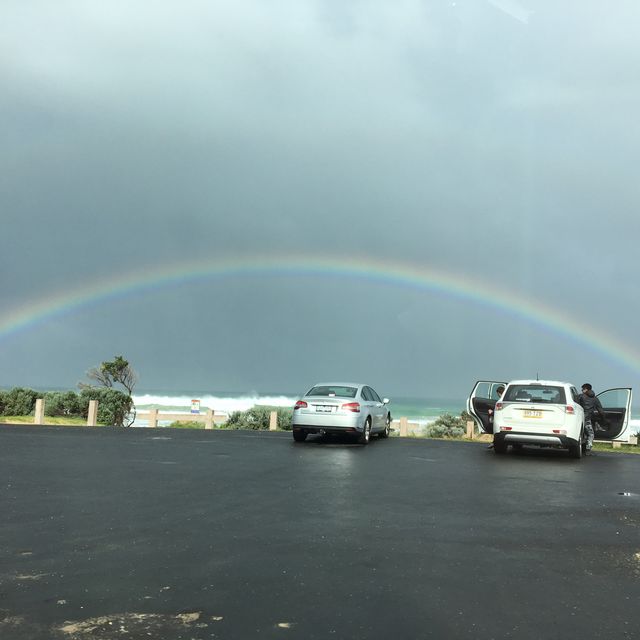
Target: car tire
[387, 428]
[576, 449]
[584, 443]
[300, 435]
[365, 436]
[500, 447]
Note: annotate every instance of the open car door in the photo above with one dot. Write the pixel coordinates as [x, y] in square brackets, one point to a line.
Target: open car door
[617, 410]
[482, 402]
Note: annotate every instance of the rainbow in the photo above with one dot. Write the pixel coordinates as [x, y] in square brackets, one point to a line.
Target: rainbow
[423, 278]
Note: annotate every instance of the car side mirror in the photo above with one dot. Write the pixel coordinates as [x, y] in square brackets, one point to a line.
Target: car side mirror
[386, 401]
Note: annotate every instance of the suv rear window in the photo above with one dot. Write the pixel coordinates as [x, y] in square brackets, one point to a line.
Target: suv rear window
[535, 393]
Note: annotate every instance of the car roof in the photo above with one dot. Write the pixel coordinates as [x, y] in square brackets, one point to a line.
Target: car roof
[339, 384]
[542, 382]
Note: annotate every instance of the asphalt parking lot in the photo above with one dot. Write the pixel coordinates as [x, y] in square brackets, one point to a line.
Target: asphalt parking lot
[168, 534]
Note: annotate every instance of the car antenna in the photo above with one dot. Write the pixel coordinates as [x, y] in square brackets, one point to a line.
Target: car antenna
[537, 376]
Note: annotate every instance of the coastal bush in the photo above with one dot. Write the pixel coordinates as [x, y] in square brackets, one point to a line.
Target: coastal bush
[18, 402]
[188, 424]
[114, 406]
[257, 418]
[62, 403]
[447, 426]
[285, 414]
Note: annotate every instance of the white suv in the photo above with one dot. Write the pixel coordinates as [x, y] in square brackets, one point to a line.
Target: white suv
[544, 413]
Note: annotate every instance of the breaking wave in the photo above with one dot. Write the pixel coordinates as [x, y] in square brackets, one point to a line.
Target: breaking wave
[219, 404]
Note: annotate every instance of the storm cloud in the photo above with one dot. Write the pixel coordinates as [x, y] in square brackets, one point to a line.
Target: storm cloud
[492, 141]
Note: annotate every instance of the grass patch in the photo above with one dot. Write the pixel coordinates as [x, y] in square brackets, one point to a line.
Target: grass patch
[607, 448]
[70, 421]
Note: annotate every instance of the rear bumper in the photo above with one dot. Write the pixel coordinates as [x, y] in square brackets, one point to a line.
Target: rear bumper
[539, 439]
[338, 423]
[328, 430]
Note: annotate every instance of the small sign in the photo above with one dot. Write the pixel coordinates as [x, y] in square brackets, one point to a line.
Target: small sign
[195, 406]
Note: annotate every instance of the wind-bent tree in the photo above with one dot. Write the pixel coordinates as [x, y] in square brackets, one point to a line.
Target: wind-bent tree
[111, 373]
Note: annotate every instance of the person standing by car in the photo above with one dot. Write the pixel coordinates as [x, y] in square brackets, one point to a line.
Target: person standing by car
[592, 410]
[499, 391]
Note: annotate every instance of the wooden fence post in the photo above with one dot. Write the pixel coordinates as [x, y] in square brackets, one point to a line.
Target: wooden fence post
[39, 415]
[404, 427]
[153, 418]
[273, 421]
[209, 420]
[92, 415]
[470, 429]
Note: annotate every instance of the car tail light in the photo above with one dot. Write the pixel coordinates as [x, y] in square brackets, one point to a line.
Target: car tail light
[506, 428]
[562, 432]
[499, 406]
[354, 407]
[301, 404]
[569, 409]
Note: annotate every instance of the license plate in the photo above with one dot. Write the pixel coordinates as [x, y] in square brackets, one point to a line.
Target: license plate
[531, 413]
[323, 409]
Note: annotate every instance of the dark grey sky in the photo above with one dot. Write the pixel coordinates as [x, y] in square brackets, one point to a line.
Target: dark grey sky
[493, 140]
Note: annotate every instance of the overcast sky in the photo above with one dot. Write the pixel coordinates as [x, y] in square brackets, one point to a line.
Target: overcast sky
[495, 141]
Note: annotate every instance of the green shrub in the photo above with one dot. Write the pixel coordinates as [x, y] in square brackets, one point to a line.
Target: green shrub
[62, 403]
[190, 424]
[18, 402]
[285, 414]
[114, 407]
[447, 426]
[258, 418]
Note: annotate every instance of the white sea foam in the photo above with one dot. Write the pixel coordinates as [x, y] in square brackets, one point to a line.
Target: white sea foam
[220, 404]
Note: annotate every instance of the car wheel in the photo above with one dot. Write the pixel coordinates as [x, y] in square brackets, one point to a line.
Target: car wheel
[365, 436]
[500, 446]
[387, 428]
[576, 449]
[300, 435]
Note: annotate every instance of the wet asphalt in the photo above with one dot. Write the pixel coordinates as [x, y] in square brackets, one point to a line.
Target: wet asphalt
[168, 534]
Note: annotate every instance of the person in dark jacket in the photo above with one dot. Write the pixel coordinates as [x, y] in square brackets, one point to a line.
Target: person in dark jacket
[592, 411]
[499, 391]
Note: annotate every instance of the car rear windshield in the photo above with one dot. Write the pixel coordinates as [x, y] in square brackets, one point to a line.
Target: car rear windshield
[331, 391]
[535, 393]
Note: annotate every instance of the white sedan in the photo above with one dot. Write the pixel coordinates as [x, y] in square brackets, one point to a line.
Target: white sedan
[341, 408]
